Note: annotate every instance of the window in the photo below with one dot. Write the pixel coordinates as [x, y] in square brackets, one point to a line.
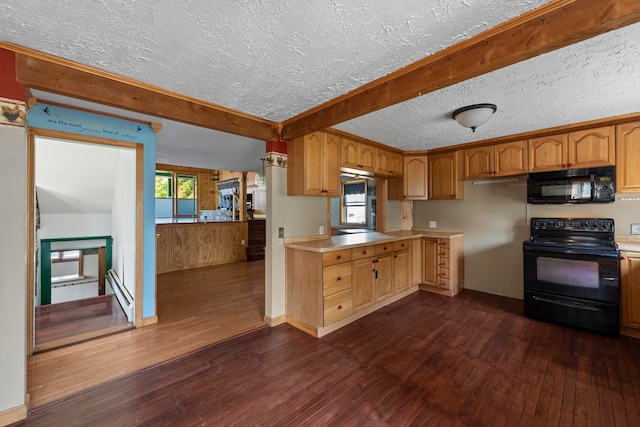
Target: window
[354, 202]
[176, 194]
[66, 265]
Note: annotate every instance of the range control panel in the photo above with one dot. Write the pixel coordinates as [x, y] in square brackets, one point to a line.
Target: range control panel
[601, 225]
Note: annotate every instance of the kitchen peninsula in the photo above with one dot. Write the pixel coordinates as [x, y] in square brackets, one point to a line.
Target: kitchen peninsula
[331, 282]
[189, 243]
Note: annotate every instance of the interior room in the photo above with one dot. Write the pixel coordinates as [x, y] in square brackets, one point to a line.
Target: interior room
[438, 200]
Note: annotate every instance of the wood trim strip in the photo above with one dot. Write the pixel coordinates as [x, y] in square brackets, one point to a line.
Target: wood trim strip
[31, 250]
[13, 415]
[552, 26]
[38, 70]
[140, 237]
[275, 321]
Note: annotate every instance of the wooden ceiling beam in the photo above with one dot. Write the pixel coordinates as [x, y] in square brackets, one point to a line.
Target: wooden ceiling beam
[552, 26]
[46, 72]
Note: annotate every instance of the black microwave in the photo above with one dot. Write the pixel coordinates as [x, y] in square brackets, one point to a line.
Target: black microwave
[589, 185]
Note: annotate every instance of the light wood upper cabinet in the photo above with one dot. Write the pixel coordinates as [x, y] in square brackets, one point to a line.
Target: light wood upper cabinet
[356, 155]
[396, 165]
[478, 162]
[314, 165]
[383, 161]
[628, 157]
[416, 177]
[445, 177]
[509, 158]
[581, 149]
[592, 147]
[548, 153]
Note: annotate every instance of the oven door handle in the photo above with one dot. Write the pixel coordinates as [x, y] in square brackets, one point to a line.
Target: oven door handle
[611, 279]
[567, 304]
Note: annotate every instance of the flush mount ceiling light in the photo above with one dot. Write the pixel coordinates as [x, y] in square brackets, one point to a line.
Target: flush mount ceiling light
[473, 116]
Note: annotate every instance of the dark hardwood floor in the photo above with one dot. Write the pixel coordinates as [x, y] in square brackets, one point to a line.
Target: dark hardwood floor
[65, 323]
[425, 360]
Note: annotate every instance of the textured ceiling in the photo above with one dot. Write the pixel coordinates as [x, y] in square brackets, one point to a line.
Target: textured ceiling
[277, 58]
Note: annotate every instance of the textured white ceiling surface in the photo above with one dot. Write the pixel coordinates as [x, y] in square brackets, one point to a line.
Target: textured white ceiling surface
[277, 58]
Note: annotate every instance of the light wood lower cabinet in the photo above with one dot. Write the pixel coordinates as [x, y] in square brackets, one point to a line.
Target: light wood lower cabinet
[323, 289]
[443, 265]
[630, 293]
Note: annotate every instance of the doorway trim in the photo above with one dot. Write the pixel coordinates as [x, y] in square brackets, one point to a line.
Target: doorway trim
[139, 261]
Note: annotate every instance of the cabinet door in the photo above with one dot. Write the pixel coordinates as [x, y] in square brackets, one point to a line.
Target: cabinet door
[478, 162]
[313, 149]
[331, 165]
[444, 182]
[630, 289]
[383, 161]
[366, 157]
[510, 158]
[548, 153]
[396, 164]
[592, 147]
[416, 177]
[383, 276]
[401, 271]
[362, 283]
[430, 266]
[628, 157]
[349, 158]
[416, 262]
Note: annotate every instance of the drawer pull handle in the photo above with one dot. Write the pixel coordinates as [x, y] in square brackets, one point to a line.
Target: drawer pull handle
[340, 307]
[339, 278]
[339, 257]
[364, 252]
[384, 248]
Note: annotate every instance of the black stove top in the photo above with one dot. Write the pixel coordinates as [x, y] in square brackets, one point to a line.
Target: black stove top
[579, 234]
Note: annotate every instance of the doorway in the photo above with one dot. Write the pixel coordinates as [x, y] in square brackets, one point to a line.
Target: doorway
[85, 232]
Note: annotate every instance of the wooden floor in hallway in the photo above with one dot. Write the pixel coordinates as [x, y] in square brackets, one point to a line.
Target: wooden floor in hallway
[195, 308]
[471, 360]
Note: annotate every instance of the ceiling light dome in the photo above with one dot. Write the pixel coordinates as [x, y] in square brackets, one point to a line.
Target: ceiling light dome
[473, 116]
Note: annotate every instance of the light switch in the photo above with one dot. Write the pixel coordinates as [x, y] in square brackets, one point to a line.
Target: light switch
[432, 224]
[635, 228]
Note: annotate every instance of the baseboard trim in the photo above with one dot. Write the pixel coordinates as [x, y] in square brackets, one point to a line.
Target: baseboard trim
[13, 415]
[275, 321]
[151, 320]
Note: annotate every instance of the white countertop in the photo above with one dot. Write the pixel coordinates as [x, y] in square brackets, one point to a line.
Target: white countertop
[347, 241]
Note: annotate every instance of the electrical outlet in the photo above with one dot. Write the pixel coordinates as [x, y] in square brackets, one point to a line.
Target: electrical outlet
[242, 242]
[280, 232]
[321, 230]
[432, 224]
[635, 228]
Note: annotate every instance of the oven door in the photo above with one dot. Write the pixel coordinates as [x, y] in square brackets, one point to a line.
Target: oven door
[576, 273]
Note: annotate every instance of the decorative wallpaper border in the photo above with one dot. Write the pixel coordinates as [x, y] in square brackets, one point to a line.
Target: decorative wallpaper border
[14, 113]
[277, 160]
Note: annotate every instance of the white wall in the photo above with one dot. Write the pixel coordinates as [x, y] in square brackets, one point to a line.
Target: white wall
[495, 220]
[13, 264]
[54, 226]
[123, 215]
[300, 216]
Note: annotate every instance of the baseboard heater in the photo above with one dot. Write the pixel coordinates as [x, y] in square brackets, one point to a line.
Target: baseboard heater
[122, 294]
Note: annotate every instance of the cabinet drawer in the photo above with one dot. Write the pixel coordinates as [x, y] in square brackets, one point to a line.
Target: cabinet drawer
[337, 306]
[401, 245]
[443, 252]
[335, 257]
[443, 243]
[443, 262]
[336, 278]
[385, 248]
[444, 273]
[363, 252]
[444, 283]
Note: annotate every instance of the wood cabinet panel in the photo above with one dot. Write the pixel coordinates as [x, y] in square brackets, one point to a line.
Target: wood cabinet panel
[362, 283]
[416, 177]
[478, 162]
[336, 257]
[592, 147]
[366, 157]
[357, 155]
[363, 252]
[338, 306]
[383, 277]
[430, 262]
[510, 158]
[314, 165]
[628, 157]
[548, 153]
[416, 262]
[331, 165]
[396, 165]
[401, 271]
[443, 268]
[630, 289]
[336, 278]
[349, 154]
[383, 161]
[445, 180]
[164, 250]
